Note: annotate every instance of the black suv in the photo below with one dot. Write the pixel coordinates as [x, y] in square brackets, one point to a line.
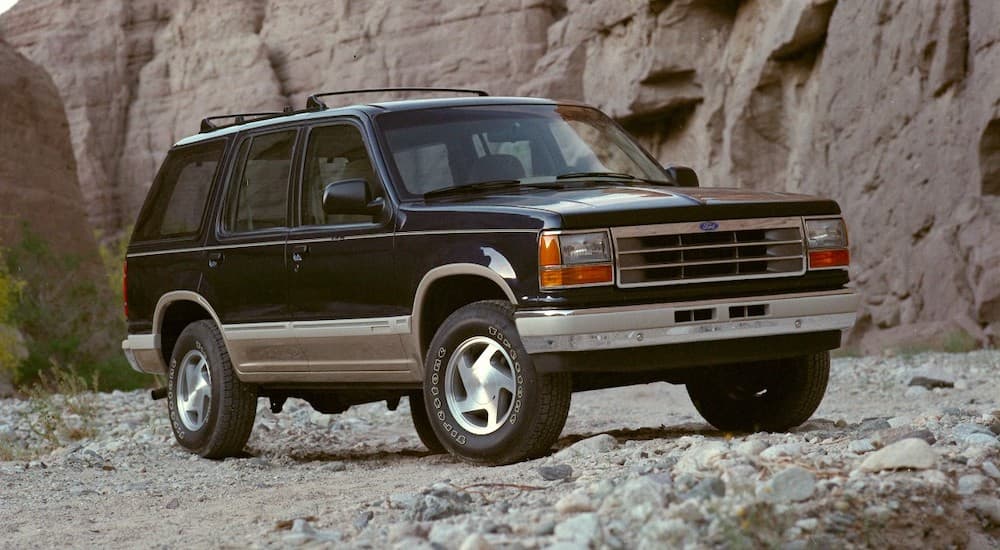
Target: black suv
[483, 256]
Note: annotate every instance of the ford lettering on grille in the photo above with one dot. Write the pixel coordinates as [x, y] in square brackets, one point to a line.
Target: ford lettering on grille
[709, 226]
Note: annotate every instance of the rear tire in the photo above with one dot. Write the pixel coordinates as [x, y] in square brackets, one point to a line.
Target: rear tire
[211, 410]
[485, 401]
[771, 396]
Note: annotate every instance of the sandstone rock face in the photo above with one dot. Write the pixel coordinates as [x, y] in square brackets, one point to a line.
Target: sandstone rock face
[892, 107]
[38, 183]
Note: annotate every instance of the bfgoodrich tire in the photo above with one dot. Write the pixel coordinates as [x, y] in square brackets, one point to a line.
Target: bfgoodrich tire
[485, 401]
[772, 396]
[211, 410]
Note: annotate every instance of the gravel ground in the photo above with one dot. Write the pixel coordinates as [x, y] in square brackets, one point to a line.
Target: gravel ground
[882, 464]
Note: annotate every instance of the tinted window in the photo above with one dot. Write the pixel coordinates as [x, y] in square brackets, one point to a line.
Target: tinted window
[258, 191]
[438, 148]
[177, 203]
[335, 153]
[426, 163]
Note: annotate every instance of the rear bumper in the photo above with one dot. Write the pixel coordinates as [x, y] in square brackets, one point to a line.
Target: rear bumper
[143, 353]
[655, 325]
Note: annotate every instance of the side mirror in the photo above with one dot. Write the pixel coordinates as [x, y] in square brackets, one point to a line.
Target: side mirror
[683, 176]
[350, 197]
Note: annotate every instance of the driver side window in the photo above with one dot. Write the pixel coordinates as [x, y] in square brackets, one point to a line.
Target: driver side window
[334, 153]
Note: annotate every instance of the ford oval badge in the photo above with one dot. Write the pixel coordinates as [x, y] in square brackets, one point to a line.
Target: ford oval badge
[709, 226]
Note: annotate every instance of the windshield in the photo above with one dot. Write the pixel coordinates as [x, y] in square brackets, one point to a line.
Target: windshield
[436, 149]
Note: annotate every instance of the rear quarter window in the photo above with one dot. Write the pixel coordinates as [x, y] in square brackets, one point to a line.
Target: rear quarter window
[176, 204]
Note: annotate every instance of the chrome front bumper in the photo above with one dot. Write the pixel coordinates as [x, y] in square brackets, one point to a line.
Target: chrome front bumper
[545, 331]
[143, 353]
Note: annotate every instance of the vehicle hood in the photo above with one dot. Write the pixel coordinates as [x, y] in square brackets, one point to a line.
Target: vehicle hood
[614, 205]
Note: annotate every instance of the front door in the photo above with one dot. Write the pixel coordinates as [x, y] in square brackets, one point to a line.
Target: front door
[343, 292]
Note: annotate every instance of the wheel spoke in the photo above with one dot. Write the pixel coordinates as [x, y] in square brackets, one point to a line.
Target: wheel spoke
[491, 413]
[467, 374]
[468, 405]
[484, 363]
[202, 392]
[191, 376]
[202, 402]
[501, 380]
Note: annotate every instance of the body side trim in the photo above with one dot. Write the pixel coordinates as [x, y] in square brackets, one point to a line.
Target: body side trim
[319, 329]
[326, 239]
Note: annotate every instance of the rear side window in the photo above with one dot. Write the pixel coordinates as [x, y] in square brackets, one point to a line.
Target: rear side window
[258, 192]
[175, 208]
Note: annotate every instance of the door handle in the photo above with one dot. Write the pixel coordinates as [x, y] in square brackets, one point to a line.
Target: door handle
[299, 251]
[214, 258]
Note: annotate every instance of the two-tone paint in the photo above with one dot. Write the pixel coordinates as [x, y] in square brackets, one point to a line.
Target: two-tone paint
[343, 304]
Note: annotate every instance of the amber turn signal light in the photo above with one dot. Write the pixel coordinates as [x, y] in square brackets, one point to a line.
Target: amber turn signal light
[840, 257]
[548, 251]
[554, 277]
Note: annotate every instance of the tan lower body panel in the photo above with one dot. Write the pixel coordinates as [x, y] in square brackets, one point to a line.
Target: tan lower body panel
[334, 352]
[330, 377]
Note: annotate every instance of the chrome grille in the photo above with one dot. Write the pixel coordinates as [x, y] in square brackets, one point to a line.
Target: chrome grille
[675, 253]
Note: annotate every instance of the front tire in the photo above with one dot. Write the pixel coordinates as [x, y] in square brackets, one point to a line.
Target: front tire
[211, 410]
[772, 396]
[422, 424]
[485, 401]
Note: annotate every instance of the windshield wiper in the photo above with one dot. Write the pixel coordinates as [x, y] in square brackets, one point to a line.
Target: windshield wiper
[613, 175]
[474, 187]
[616, 175]
[492, 185]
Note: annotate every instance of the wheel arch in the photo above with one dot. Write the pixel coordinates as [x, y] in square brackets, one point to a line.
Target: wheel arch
[174, 311]
[467, 283]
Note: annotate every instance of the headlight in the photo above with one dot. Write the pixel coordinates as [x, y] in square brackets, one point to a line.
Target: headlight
[827, 242]
[574, 259]
[827, 233]
[584, 248]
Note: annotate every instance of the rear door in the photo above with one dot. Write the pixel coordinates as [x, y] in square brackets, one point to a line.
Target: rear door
[165, 252]
[344, 295]
[247, 277]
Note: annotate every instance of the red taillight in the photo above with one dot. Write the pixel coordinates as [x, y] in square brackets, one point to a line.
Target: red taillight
[125, 287]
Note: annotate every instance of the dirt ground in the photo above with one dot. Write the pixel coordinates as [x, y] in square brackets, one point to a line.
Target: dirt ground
[353, 479]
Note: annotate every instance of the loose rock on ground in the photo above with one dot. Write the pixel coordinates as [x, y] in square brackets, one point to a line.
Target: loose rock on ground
[635, 468]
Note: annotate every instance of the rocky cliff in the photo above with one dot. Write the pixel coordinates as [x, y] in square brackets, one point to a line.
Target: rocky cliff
[890, 106]
[38, 183]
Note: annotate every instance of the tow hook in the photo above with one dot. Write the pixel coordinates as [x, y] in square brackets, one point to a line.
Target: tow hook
[158, 393]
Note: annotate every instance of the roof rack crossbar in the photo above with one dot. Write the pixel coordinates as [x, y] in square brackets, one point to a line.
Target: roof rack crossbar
[314, 103]
[207, 124]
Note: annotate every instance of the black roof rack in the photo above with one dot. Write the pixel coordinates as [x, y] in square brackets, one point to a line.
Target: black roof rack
[314, 103]
[240, 118]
